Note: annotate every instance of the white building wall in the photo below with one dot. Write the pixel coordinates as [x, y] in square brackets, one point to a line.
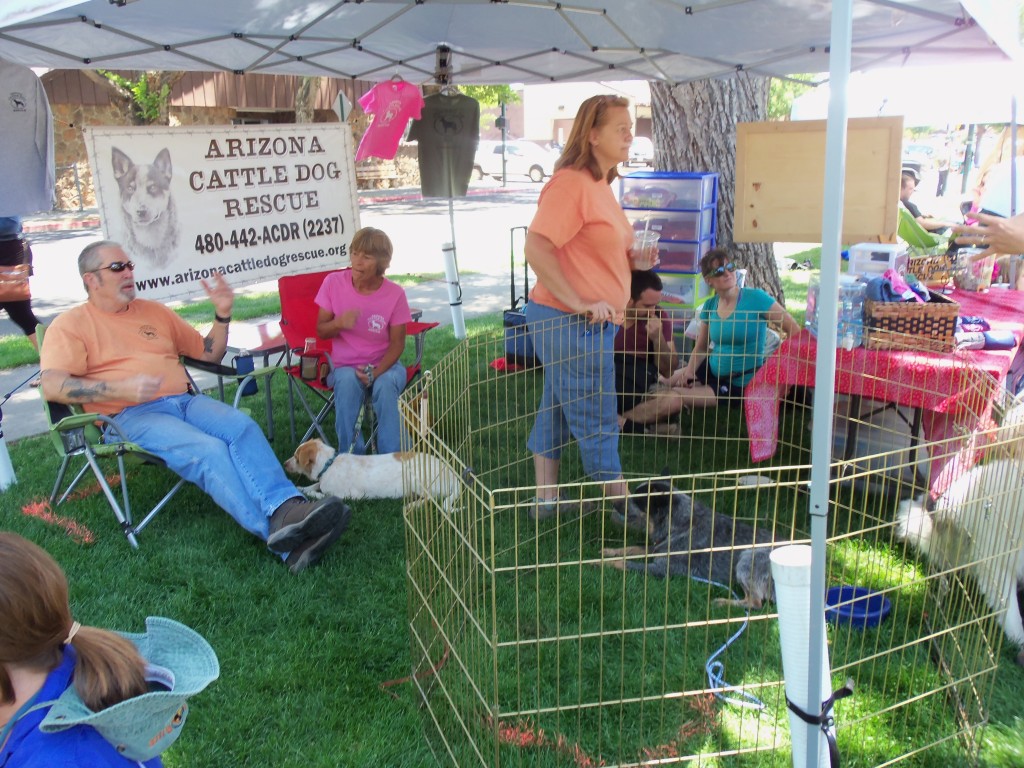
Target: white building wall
[544, 104]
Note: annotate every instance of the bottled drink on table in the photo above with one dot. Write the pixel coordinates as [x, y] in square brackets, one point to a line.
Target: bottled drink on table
[850, 321]
[851, 312]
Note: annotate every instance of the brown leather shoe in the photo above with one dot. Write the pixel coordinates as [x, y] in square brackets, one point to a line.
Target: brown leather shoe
[309, 552]
[299, 520]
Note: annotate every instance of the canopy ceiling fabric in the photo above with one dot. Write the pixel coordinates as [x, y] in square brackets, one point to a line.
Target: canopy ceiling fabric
[496, 41]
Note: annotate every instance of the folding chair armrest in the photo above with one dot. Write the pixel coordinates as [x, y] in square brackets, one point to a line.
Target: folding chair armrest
[418, 331]
[217, 369]
[106, 421]
[416, 328]
[77, 421]
[227, 371]
[80, 429]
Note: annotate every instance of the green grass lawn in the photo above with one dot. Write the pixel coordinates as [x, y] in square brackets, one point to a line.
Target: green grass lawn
[307, 662]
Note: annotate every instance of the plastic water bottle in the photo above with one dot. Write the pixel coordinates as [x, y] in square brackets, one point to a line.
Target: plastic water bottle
[811, 317]
[851, 312]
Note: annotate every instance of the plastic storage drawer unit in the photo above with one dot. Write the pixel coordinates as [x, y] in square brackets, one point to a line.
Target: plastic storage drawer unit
[675, 225]
[683, 289]
[680, 191]
[681, 257]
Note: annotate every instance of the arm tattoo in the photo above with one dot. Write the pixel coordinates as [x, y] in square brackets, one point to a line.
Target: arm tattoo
[82, 391]
[208, 344]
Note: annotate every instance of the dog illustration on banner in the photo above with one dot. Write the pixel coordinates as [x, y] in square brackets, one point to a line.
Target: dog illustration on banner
[150, 218]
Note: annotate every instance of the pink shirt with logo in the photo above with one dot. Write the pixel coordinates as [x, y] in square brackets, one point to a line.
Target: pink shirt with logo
[368, 340]
[392, 105]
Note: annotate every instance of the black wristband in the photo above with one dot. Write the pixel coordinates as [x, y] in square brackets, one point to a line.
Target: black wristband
[220, 319]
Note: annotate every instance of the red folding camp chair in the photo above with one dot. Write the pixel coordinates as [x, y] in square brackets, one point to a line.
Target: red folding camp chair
[298, 323]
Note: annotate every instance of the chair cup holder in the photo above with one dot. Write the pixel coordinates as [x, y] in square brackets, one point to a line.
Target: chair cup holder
[73, 439]
[244, 367]
[314, 368]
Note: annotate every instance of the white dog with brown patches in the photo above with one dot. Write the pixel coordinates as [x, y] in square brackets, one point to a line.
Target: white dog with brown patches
[375, 476]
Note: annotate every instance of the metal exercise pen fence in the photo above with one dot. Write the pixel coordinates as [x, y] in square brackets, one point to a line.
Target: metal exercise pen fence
[529, 649]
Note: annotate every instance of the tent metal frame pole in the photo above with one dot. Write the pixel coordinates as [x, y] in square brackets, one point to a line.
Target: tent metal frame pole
[1014, 202]
[825, 365]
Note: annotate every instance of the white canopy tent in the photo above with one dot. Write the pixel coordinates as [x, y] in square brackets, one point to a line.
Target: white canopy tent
[928, 96]
[495, 41]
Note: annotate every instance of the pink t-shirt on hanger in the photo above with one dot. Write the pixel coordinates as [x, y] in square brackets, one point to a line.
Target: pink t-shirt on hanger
[392, 105]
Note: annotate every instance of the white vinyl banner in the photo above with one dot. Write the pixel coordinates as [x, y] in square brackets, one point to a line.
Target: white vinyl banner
[253, 202]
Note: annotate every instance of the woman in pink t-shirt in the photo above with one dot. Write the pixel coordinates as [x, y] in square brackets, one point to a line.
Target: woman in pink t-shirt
[365, 314]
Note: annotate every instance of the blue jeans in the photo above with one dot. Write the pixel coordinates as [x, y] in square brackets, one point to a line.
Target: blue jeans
[349, 393]
[221, 450]
[578, 397]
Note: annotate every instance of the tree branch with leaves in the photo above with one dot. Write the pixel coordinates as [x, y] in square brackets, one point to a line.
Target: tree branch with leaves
[146, 96]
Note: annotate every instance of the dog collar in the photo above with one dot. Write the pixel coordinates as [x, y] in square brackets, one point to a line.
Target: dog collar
[326, 466]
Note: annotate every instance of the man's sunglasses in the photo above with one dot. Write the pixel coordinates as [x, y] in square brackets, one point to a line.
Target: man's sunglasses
[719, 271]
[116, 266]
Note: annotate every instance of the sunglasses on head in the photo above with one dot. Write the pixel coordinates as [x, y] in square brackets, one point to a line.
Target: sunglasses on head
[116, 266]
[719, 271]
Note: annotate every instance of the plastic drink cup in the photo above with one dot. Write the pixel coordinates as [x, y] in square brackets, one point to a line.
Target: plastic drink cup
[644, 254]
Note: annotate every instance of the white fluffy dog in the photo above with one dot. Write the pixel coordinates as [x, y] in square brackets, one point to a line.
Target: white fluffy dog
[971, 523]
[375, 476]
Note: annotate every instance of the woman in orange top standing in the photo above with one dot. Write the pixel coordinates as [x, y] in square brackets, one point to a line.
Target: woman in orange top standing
[579, 247]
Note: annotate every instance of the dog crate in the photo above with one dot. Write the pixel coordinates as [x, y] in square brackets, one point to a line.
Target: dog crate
[530, 649]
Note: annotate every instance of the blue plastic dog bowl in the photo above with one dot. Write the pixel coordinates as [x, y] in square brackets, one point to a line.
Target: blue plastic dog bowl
[857, 606]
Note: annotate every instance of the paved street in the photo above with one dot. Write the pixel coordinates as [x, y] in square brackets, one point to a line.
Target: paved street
[419, 228]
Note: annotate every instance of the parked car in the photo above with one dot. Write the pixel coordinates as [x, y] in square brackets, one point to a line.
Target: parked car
[641, 151]
[920, 157]
[522, 158]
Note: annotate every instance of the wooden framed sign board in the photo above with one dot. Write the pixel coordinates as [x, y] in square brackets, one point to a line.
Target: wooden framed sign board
[780, 180]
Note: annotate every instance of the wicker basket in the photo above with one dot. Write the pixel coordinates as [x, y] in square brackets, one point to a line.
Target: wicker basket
[911, 325]
[933, 271]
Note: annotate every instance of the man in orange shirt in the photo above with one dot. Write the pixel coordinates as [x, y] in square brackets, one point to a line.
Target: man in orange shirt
[119, 356]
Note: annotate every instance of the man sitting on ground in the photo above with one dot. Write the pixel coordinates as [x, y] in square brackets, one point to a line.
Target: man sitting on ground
[119, 355]
[644, 348]
[909, 179]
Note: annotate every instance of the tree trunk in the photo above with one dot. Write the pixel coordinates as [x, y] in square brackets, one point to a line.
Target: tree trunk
[157, 81]
[308, 87]
[695, 130]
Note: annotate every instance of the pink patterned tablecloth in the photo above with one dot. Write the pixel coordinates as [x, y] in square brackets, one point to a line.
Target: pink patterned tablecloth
[947, 387]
